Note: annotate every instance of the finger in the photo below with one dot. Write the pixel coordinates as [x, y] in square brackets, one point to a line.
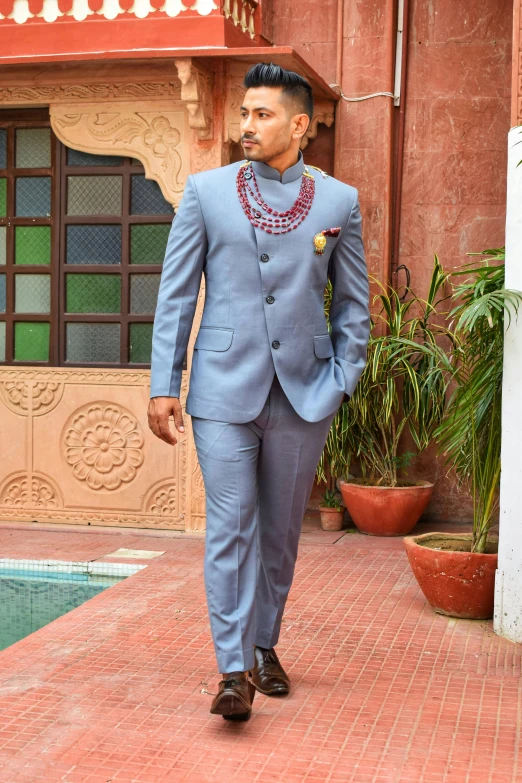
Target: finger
[157, 430]
[165, 431]
[154, 419]
[178, 418]
[153, 423]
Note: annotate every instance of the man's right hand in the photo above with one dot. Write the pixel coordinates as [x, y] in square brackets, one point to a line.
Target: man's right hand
[159, 412]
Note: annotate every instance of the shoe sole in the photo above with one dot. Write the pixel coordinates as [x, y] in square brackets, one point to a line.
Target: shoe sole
[231, 708]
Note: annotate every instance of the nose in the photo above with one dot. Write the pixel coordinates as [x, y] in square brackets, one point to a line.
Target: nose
[246, 125]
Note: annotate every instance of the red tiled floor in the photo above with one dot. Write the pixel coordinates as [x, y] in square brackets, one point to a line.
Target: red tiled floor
[385, 691]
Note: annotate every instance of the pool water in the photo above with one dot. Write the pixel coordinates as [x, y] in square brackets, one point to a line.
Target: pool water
[29, 599]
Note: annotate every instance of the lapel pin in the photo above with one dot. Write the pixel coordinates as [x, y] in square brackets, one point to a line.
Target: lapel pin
[320, 239]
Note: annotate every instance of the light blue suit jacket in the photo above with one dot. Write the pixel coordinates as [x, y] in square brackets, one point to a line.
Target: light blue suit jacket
[264, 300]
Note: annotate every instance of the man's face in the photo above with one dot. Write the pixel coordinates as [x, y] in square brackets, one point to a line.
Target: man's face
[268, 121]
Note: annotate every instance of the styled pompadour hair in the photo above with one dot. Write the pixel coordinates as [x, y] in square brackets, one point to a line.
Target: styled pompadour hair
[292, 85]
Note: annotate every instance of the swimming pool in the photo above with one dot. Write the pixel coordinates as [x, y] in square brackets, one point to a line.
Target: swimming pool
[33, 593]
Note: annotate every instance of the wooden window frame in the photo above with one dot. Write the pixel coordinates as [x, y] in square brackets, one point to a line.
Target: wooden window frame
[125, 268]
[11, 120]
[58, 268]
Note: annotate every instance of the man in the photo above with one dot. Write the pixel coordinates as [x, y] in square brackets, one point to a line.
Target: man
[267, 378]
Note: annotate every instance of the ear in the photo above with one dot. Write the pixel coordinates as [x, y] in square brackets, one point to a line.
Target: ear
[301, 123]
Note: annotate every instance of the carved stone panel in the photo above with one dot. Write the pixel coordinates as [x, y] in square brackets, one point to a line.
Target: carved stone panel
[32, 93]
[77, 449]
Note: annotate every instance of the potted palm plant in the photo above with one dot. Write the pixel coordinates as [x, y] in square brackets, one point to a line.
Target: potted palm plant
[402, 388]
[456, 572]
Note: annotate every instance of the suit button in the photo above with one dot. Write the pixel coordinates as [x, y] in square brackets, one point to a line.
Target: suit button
[265, 257]
[276, 344]
[270, 299]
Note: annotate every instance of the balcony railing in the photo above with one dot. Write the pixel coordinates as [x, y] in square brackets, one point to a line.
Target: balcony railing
[158, 25]
[240, 12]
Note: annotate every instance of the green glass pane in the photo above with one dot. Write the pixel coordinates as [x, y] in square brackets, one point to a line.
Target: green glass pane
[33, 245]
[2, 341]
[33, 148]
[31, 343]
[3, 245]
[2, 293]
[93, 293]
[148, 243]
[3, 197]
[140, 343]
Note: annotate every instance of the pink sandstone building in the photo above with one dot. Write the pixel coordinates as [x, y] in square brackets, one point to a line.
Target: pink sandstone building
[107, 105]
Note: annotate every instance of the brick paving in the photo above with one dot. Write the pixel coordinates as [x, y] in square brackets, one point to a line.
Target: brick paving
[385, 690]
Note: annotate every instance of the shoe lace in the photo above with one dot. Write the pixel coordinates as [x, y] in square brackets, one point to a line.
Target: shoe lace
[231, 682]
[269, 656]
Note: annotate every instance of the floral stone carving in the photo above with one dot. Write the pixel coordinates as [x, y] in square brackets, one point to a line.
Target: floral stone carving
[39, 396]
[22, 492]
[104, 445]
[164, 501]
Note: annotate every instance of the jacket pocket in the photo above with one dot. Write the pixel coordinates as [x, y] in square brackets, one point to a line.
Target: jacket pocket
[214, 338]
[323, 346]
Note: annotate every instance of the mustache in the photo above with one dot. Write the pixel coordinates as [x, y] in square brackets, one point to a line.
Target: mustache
[246, 137]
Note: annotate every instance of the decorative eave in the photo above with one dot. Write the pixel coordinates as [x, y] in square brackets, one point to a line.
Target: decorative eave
[14, 72]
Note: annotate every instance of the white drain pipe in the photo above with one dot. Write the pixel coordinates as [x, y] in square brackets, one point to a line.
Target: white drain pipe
[508, 583]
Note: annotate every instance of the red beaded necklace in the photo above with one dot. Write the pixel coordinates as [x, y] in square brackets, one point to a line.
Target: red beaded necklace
[273, 222]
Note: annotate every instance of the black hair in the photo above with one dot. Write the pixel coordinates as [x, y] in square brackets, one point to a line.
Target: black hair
[293, 85]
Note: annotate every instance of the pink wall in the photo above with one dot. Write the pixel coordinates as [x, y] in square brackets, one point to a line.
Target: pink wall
[364, 136]
[454, 186]
[457, 119]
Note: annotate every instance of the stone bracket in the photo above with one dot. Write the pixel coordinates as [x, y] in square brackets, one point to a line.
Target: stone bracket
[158, 136]
[324, 111]
[197, 96]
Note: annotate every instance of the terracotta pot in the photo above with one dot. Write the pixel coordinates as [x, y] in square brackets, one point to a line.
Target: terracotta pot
[385, 511]
[455, 581]
[331, 518]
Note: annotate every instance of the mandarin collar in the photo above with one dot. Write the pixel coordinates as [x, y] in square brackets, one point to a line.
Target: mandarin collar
[289, 175]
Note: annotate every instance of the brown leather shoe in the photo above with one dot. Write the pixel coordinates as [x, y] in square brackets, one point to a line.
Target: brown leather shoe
[235, 696]
[268, 675]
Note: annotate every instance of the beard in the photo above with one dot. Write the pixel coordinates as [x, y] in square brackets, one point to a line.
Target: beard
[257, 152]
[253, 153]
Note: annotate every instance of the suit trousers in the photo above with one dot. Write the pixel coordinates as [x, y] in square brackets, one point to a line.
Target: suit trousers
[258, 477]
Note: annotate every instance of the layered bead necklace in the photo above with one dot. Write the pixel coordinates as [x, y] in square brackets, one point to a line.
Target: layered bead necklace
[273, 222]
